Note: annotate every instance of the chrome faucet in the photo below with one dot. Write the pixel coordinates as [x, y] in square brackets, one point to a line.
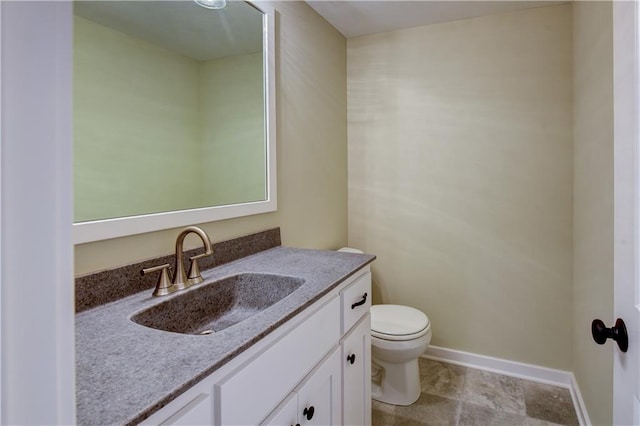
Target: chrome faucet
[180, 279]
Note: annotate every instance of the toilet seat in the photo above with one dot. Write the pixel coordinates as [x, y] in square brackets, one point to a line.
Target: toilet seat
[397, 322]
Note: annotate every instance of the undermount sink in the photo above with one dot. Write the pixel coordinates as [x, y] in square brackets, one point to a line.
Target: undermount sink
[214, 306]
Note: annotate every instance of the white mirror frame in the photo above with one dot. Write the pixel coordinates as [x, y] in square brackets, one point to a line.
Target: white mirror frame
[97, 230]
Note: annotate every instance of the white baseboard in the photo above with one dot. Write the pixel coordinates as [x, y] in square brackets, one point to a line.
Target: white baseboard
[578, 402]
[535, 373]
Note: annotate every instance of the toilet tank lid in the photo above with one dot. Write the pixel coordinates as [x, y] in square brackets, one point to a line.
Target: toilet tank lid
[351, 250]
[397, 320]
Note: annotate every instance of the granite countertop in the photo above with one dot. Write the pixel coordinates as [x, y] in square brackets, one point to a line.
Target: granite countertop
[125, 372]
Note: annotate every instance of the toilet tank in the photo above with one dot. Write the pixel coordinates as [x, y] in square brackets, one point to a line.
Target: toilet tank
[351, 250]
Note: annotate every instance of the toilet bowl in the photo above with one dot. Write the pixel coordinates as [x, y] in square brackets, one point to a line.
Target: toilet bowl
[399, 335]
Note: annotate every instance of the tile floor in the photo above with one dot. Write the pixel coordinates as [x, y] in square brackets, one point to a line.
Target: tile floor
[455, 395]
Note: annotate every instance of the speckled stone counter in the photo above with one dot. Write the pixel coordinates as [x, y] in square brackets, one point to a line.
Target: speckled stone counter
[98, 288]
[125, 372]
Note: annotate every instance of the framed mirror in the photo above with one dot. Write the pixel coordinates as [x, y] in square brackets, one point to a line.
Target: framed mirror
[174, 115]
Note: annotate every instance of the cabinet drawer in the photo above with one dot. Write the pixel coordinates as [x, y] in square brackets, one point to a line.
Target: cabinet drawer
[356, 301]
[247, 396]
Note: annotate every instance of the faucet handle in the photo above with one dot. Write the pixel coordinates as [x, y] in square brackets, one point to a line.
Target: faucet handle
[164, 286]
[194, 270]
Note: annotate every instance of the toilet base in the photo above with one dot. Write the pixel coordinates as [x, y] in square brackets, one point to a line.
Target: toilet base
[400, 383]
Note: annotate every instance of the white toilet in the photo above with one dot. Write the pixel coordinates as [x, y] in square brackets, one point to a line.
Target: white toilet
[399, 335]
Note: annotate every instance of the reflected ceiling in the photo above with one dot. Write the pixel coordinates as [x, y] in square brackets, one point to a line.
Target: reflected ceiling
[182, 27]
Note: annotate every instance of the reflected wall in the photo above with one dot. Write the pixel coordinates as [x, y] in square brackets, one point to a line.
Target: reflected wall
[158, 130]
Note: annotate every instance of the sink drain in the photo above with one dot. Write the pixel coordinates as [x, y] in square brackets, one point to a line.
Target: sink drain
[202, 333]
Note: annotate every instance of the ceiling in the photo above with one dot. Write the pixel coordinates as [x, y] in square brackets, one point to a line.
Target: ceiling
[357, 18]
[182, 26]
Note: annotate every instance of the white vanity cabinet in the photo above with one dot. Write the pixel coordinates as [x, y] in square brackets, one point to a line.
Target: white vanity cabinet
[317, 401]
[355, 347]
[299, 374]
[247, 395]
[286, 414]
[320, 397]
[193, 408]
[356, 374]
[195, 412]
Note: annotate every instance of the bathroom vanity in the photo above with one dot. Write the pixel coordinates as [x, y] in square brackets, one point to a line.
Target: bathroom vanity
[303, 360]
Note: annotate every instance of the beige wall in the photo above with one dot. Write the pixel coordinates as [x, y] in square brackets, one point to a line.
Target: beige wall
[312, 150]
[460, 178]
[593, 202]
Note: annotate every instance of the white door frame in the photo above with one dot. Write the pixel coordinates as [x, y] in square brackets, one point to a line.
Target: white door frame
[36, 288]
[1, 257]
[626, 377]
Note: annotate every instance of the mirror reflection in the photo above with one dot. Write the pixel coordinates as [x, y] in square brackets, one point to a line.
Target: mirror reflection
[169, 107]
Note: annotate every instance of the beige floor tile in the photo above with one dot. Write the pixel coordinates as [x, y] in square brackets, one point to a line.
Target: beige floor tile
[382, 414]
[439, 378]
[379, 418]
[453, 395]
[549, 403]
[429, 410]
[473, 415]
[382, 407]
[537, 422]
[494, 391]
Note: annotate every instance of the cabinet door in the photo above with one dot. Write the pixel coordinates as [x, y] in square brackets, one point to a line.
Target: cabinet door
[196, 412]
[320, 397]
[193, 407]
[356, 374]
[248, 395]
[286, 414]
